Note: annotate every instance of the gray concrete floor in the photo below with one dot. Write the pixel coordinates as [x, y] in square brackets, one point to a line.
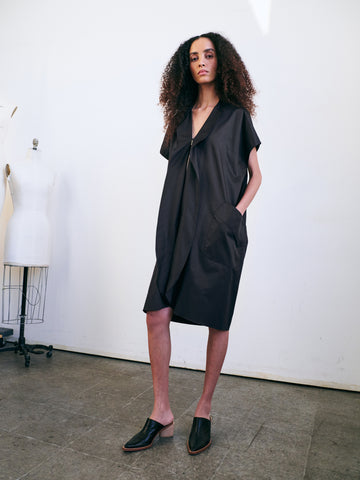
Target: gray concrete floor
[67, 418]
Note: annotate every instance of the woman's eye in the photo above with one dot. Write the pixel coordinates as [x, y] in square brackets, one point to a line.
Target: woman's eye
[193, 59]
[209, 55]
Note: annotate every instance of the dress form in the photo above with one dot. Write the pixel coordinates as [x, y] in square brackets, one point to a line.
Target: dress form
[27, 249]
[6, 114]
[27, 239]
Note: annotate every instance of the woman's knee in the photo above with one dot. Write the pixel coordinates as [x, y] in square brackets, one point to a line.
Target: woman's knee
[218, 334]
[159, 318]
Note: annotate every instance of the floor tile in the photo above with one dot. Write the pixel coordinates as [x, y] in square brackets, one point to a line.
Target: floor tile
[74, 465]
[105, 440]
[20, 454]
[325, 474]
[270, 455]
[336, 444]
[55, 425]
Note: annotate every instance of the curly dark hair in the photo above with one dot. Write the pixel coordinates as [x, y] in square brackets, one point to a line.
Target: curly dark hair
[179, 90]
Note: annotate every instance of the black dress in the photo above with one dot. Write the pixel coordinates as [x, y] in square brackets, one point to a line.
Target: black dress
[201, 237]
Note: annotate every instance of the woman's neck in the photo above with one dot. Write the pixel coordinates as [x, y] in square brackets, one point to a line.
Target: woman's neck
[207, 97]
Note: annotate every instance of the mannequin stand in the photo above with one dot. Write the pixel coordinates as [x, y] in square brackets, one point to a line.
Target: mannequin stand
[21, 346]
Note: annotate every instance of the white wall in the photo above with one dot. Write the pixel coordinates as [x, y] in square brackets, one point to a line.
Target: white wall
[86, 75]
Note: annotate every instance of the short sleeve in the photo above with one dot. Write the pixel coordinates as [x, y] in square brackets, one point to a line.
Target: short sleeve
[249, 137]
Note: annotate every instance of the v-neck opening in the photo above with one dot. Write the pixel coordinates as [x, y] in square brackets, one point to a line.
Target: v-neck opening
[203, 125]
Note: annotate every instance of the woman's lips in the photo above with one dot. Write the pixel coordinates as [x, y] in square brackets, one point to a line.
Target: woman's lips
[202, 72]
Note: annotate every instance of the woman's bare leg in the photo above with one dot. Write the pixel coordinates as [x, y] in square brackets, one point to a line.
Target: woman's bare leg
[158, 324]
[216, 351]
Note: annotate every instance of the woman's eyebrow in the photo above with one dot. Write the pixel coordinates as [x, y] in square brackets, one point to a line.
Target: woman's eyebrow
[206, 50]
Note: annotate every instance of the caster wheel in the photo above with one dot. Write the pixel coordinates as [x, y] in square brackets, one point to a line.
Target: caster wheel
[49, 354]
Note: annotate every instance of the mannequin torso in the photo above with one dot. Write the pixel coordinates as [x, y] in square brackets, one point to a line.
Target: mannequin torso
[28, 232]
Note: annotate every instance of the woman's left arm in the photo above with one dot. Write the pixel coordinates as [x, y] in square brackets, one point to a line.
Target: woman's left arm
[254, 182]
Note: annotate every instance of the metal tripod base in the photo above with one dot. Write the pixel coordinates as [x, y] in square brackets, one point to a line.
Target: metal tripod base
[24, 349]
[21, 346]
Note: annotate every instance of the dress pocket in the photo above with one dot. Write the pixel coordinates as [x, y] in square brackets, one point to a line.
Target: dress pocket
[226, 236]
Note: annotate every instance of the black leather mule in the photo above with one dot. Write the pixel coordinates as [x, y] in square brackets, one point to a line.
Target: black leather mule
[200, 436]
[145, 438]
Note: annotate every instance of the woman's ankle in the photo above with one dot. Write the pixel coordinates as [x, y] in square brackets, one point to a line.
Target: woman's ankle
[203, 410]
[162, 416]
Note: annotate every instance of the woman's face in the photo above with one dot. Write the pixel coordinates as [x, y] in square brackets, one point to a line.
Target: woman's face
[203, 61]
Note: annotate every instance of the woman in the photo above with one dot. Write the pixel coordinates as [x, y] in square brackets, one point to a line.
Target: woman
[201, 239]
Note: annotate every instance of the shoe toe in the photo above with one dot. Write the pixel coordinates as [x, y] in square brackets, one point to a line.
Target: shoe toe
[145, 438]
